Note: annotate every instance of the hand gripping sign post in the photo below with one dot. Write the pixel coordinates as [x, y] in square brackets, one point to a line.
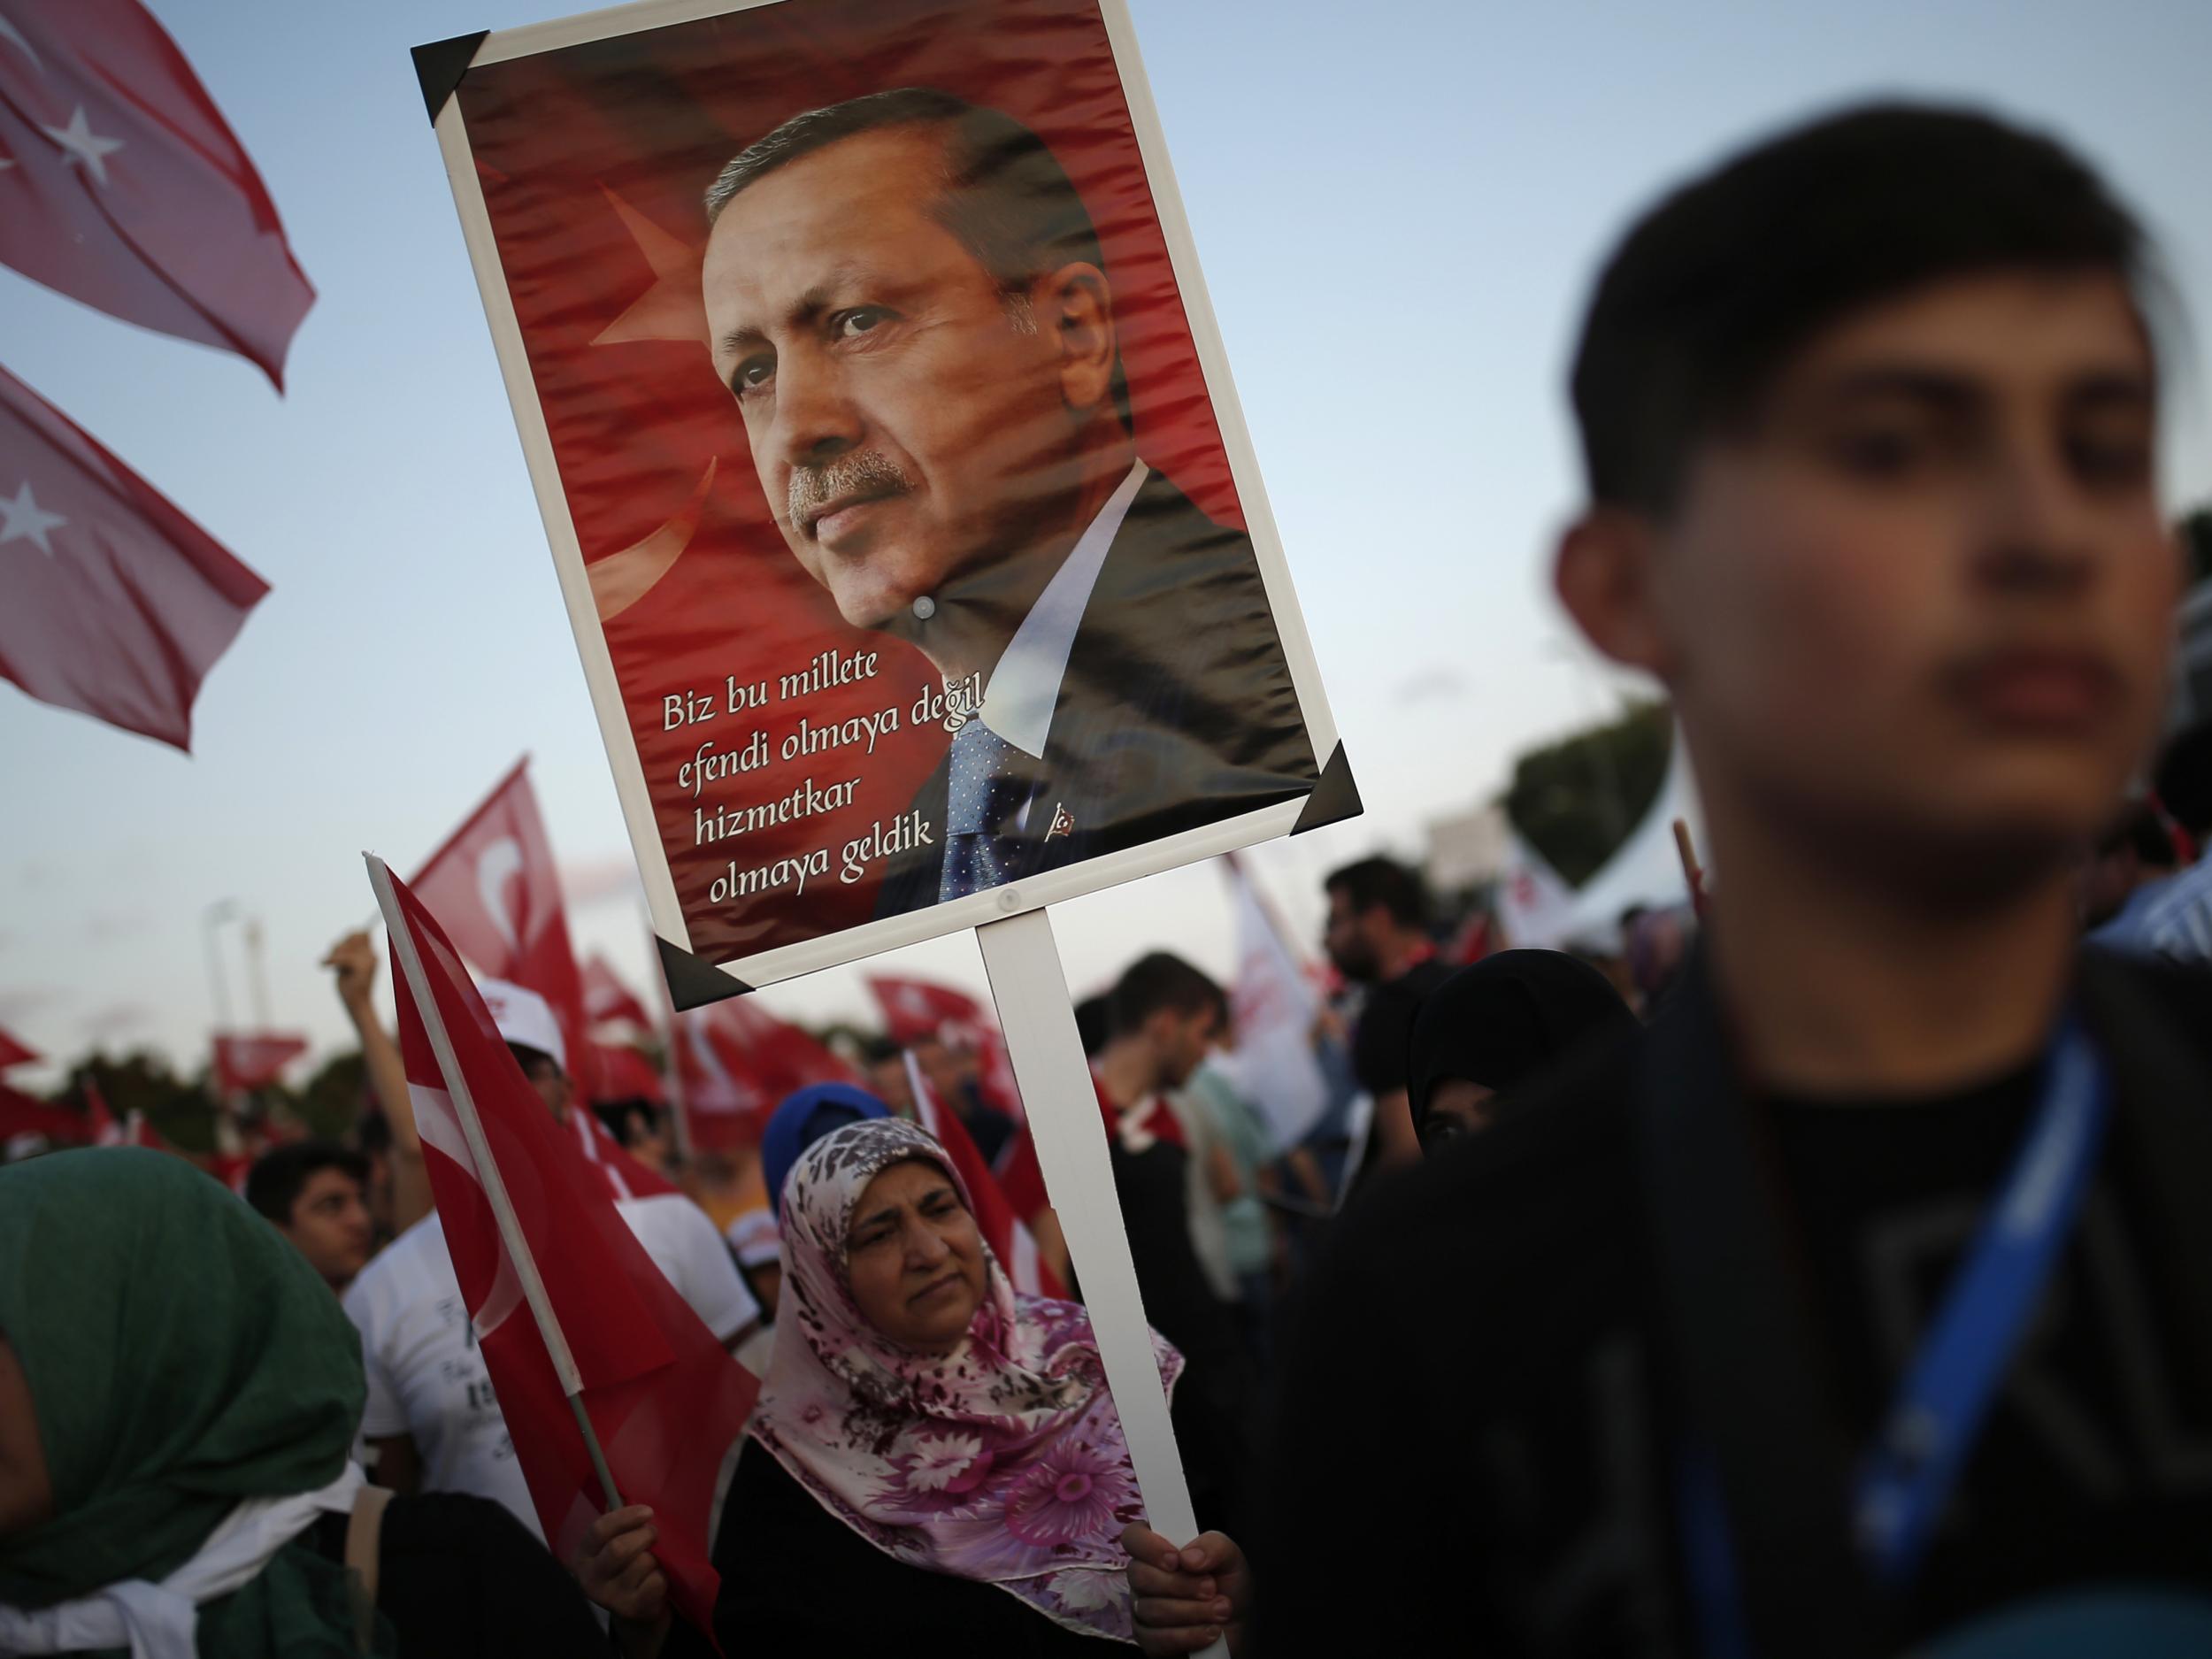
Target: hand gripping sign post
[912, 540]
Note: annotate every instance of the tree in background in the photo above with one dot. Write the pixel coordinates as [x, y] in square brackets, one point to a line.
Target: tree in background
[180, 1111]
[1577, 800]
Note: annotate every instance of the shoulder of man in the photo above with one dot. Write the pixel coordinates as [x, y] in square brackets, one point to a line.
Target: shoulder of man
[400, 1270]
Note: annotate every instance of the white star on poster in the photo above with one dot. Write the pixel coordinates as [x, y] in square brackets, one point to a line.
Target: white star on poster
[23, 519]
[84, 145]
[672, 309]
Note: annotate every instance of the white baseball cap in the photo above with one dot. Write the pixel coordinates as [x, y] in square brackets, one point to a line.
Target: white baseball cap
[524, 1017]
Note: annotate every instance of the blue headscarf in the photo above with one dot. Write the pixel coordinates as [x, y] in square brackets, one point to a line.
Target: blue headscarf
[805, 1118]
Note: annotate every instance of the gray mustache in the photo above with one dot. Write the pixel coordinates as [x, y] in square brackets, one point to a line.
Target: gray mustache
[866, 471]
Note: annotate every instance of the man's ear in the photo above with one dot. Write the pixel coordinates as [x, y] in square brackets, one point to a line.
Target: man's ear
[1604, 575]
[1074, 309]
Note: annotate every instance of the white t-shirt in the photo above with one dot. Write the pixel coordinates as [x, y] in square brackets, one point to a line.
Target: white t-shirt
[427, 1379]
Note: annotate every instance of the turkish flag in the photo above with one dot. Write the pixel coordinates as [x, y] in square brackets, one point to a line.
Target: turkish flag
[117, 604]
[496, 884]
[123, 188]
[607, 999]
[1005, 1232]
[22, 1114]
[625, 1175]
[665, 1401]
[14, 1052]
[736, 1060]
[916, 1011]
[626, 1074]
[245, 1060]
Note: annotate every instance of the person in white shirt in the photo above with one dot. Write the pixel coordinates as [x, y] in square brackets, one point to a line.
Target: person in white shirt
[432, 1421]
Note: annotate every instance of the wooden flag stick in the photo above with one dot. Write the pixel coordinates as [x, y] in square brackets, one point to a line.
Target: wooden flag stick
[1693, 871]
[1038, 1021]
[526, 1265]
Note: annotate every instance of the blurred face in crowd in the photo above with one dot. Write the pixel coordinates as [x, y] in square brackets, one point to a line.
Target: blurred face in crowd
[914, 1258]
[1180, 1042]
[331, 1227]
[910, 421]
[546, 1076]
[1921, 609]
[888, 1082]
[1350, 939]
[27, 1490]
[1457, 1108]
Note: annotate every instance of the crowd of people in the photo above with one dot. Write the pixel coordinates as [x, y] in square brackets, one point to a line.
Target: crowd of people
[1820, 1269]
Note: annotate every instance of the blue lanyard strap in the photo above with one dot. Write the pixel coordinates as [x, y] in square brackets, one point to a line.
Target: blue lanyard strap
[1937, 1414]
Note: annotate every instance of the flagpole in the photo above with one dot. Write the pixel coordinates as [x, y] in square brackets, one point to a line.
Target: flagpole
[410, 961]
[1038, 1020]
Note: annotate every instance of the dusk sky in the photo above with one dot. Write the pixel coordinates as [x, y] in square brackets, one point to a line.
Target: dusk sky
[1399, 207]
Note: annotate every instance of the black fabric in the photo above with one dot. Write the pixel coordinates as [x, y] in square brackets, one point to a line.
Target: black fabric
[1383, 1040]
[1508, 1303]
[1177, 709]
[795, 1579]
[1507, 1020]
[459, 1577]
[987, 1127]
[1334, 799]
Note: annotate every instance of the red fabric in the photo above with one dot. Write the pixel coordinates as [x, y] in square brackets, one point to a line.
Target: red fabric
[1004, 1230]
[625, 1175]
[494, 884]
[626, 1074]
[15, 1052]
[914, 1009]
[737, 1060]
[606, 998]
[245, 1061]
[1021, 1180]
[1147, 1121]
[593, 160]
[665, 1401]
[22, 1114]
[127, 191]
[117, 603]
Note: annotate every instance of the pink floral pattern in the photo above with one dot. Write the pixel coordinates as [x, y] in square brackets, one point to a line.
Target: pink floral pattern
[1003, 1462]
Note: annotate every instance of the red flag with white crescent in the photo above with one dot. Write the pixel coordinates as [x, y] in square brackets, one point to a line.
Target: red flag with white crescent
[918, 1010]
[564, 1302]
[496, 887]
[122, 186]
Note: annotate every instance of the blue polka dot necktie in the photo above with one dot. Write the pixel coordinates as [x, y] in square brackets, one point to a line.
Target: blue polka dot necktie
[984, 792]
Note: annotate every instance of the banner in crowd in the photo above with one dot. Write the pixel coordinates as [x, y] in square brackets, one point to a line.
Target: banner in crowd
[127, 190]
[498, 890]
[906, 519]
[566, 1303]
[1275, 1003]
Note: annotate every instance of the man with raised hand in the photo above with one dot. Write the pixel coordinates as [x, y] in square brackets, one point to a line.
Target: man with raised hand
[1866, 1306]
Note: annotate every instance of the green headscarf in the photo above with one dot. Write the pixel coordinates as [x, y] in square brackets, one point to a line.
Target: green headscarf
[182, 1356]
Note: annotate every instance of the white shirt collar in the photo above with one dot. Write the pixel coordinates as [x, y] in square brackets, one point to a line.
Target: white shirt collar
[1024, 687]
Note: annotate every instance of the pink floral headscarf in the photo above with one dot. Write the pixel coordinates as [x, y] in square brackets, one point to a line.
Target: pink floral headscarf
[1001, 1461]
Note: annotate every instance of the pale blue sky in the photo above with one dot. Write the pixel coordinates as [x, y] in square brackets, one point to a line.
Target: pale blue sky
[1398, 205]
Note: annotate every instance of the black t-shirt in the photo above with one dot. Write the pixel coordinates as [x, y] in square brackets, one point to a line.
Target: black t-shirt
[1381, 1043]
[1475, 1439]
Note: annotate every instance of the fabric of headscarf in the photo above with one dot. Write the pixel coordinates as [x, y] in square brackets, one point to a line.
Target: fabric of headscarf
[182, 1358]
[1003, 1462]
[804, 1118]
[1507, 1019]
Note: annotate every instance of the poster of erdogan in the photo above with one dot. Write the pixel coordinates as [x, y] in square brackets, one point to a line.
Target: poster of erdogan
[913, 540]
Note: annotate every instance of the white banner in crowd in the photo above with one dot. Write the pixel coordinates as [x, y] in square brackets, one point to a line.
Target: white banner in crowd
[1272, 1065]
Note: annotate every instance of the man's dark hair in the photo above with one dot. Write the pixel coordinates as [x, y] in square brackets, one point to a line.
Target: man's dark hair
[2183, 779]
[1162, 979]
[1717, 288]
[279, 1175]
[1387, 882]
[1006, 199]
[1094, 1024]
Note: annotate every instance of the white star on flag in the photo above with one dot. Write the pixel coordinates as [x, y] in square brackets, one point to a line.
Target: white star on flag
[84, 145]
[23, 519]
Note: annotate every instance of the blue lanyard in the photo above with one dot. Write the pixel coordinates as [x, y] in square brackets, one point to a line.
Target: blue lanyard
[1933, 1421]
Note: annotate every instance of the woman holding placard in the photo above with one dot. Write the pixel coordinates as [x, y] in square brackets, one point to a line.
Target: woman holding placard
[938, 1463]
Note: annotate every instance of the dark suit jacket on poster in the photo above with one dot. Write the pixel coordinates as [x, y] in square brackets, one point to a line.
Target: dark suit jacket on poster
[1177, 709]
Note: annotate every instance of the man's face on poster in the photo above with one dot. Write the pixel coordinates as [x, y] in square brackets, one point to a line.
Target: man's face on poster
[911, 422]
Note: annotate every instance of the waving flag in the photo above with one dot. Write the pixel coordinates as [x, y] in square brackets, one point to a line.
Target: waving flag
[14, 1052]
[917, 1010]
[246, 1061]
[22, 1114]
[1276, 1005]
[1536, 907]
[120, 185]
[116, 603]
[496, 884]
[625, 1175]
[1003, 1230]
[576, 1324]
[736, 1060]
[607, 1000]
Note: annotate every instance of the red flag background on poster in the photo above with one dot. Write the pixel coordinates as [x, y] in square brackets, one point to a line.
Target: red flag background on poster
[592, 162]
[117, 605]
[123, 187]
[736, 1060]
[916, 1011]
[496, 887]
[14, 1051]
[245, 1061]
[1005, 1232]
[667, 1402]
